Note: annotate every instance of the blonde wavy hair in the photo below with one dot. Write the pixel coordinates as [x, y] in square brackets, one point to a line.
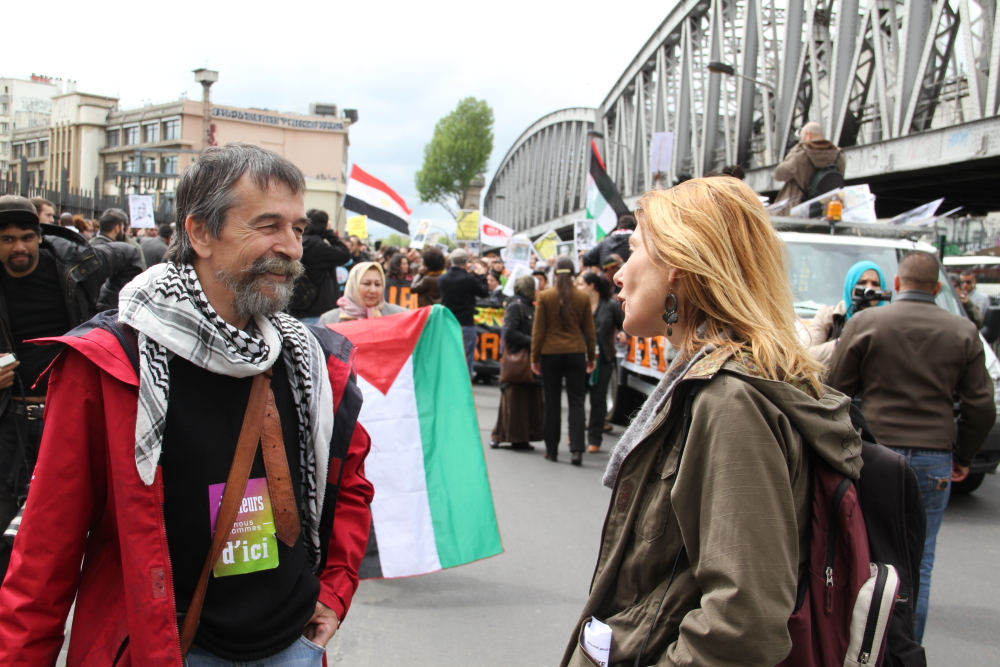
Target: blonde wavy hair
[733, 270]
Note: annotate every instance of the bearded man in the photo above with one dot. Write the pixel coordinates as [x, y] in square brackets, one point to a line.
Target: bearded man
[148, 413]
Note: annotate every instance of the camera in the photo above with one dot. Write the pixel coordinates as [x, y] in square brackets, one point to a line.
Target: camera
[869, 294]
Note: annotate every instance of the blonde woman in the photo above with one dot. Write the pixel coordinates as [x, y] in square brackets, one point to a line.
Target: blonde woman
[703, 551]
[364, 296]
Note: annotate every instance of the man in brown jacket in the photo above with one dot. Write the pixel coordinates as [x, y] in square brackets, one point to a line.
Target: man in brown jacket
[813, 152]
[907, 361]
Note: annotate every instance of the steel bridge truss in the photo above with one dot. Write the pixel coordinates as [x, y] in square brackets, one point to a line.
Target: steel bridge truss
[867, 70]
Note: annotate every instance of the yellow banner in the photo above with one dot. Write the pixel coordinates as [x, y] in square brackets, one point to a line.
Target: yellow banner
[546, 246]
[467, 226]
[358, 226]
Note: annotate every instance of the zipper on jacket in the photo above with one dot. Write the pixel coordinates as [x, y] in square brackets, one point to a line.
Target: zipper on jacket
[831, 538]
[873, 612]
[170, 575]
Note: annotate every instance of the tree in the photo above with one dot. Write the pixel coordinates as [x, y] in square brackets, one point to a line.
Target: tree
[457, 153]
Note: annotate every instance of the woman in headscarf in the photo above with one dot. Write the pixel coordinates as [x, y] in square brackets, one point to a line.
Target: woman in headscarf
[519, 418]
[364, 296]
[825, 328]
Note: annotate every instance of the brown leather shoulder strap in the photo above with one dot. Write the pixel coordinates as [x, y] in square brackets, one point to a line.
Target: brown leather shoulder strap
[236, 485]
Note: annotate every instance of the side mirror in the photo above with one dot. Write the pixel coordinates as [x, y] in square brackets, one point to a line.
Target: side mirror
[991, 325]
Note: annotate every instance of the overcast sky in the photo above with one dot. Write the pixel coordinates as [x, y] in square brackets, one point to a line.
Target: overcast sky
[401, 65]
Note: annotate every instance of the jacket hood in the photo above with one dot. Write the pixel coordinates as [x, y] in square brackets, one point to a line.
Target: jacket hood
[822, 153]
[824, 423]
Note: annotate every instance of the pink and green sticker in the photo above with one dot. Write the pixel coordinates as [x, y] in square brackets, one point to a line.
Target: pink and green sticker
[251, 546]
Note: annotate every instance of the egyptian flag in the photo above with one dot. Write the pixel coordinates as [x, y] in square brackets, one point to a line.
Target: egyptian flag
[433, 507]
[366, 195]
[604, 204]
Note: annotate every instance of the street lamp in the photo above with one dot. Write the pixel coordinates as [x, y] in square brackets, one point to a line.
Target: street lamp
[206, 77]
[717, 67]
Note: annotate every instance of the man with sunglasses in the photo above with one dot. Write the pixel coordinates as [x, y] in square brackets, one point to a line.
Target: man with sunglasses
[968, 285]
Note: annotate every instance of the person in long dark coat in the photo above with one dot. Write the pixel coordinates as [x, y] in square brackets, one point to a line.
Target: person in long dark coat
[519, 418]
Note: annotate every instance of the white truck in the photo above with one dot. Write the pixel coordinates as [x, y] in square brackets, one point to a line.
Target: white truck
[818, 262]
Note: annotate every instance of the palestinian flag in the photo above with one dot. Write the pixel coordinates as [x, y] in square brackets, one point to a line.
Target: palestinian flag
[433, 507]
[366, 195]
[604, 204]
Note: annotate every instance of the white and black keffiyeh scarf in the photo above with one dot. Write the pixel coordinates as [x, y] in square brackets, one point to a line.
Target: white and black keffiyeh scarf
[171, 315]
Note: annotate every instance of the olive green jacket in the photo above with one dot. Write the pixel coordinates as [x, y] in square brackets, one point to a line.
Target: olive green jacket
[739, 501]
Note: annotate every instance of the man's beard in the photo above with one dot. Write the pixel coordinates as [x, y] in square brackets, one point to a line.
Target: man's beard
[250, 287]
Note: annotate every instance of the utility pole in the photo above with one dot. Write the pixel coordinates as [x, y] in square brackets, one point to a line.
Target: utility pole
[206, 77]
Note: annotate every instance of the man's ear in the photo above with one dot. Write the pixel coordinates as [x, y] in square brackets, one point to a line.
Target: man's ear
[937, 288]
[895, 284]
[199, 236]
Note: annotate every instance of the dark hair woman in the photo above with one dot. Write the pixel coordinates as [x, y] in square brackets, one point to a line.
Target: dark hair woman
[399, 267]
[563, 347]
[702, 550]
[519, 419]
[425, 285]
[607, 322]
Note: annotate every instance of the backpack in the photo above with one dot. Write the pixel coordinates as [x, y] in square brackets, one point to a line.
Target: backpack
[897, 525]
[844, 605]
[824, 180]
[304, 294]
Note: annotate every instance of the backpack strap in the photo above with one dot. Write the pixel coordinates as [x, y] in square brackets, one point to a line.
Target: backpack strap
[685, 430]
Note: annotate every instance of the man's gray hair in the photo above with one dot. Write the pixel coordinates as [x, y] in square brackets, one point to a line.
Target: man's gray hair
[205, 191]
[460, 257]
[813, 128]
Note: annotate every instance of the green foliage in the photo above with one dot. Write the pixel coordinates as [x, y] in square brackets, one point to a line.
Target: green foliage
[458, 152]
[397, 240]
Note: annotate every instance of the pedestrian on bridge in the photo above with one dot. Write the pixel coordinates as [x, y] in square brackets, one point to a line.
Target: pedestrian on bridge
[813, 153]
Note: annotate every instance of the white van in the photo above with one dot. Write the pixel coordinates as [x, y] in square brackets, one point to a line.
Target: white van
[817, 266]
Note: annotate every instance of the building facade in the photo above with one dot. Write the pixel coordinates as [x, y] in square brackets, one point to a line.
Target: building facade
[24, 103]
[90, 145]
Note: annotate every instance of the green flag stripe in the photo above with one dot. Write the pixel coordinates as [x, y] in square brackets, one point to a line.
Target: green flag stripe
[458, 488]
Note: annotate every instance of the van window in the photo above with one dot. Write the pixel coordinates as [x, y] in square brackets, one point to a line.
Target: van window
[817, 270]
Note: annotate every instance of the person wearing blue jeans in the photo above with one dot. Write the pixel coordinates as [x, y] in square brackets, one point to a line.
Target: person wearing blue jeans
[469, 340]
[302, 653]
[933, 470]
[907, 361]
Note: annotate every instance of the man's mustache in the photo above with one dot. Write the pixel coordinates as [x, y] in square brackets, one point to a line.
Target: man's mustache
[278, 265]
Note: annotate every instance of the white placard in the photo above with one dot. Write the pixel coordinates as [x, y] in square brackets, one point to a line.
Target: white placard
[420, 234]
[140, 210]
[661, 152]
[585, 234]
[518, 251]
[597, 641]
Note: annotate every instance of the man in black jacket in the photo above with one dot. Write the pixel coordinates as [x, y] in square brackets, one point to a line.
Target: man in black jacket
[316, 291]
[614, 243]
[50, 282]
[459, 289]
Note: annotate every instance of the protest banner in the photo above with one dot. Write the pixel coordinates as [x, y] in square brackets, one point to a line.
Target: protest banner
[140, 211]
[585, 233]
[545, 246]
[397, 292]
[488, 319]
[467, 226]
[492, 233]
[661, 153]
[518, 251]
[566, 249]
[358, 226]
[420, 234]
[433, 507]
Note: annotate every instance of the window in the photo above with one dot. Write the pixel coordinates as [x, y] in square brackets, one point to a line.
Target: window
[5, 109]
[168, 165]
[149, 165]
[32, 149]
[171, 130]
[4, 147]
[18, 151]
[128, 165]
[41, 178]
[31, 179]
[109, 170]
[112, 138]
[43, 148]
[151, 133]
[131, 135]
[4, 128]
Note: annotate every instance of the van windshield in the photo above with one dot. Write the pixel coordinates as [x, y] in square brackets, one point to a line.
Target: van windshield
[817, 271]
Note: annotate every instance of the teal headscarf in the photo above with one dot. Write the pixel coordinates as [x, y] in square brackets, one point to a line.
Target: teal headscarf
[853, 276]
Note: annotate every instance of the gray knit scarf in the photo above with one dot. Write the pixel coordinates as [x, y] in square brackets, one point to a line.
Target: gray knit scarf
[650, 409]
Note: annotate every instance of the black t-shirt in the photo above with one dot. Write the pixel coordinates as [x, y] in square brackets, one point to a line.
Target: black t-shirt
[37, 308]
[246, 616]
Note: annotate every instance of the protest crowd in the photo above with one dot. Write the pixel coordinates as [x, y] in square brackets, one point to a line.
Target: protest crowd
[142, 350]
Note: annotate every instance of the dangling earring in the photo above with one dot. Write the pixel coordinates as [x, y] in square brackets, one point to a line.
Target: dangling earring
[670, 316]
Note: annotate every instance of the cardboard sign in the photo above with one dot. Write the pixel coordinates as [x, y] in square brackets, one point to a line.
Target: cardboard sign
[140, 210]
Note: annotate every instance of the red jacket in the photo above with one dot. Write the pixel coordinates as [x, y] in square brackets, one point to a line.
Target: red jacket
[88, 505]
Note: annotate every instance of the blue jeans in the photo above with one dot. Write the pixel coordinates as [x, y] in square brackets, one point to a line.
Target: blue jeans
[303, 653]
[933, 470]
[469, 338]
[308, 320]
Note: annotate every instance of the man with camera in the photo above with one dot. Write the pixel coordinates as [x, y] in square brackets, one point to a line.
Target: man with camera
[50, 282]
[907, 361]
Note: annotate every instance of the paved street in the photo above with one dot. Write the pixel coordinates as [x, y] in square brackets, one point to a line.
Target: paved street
[518, 607]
